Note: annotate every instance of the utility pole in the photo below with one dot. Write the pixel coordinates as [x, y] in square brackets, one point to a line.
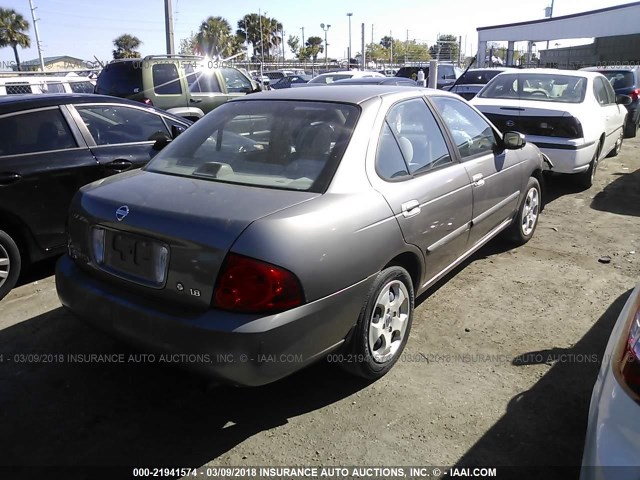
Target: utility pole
[406, 47]
[325, 28]
[168, 26]
[35, 28]
[303, 56]
[349, 51]
[364, 51]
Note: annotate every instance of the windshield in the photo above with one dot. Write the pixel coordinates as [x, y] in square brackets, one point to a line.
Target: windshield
[536, 86]
[478, 77]
[291, 145]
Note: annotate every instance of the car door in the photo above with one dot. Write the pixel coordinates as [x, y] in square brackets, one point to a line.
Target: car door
[496, 174]
[615, 114]
[44, 160]
[205, 91]
[427, 189]
[121, 137]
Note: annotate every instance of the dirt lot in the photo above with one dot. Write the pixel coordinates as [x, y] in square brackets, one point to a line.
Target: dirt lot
[533, 322]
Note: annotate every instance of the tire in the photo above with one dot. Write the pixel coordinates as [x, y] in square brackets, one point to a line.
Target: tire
[631, 129]
[10, 264]
[617, 147]
[380, 336]
[526, 220]
[585, 179]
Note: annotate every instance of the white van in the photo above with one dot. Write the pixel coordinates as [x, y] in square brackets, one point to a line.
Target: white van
[21, 85]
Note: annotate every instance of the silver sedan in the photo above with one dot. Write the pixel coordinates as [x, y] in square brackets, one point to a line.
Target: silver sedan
[293, 224]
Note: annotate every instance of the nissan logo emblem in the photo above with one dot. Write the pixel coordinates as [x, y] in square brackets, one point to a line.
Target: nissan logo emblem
[122, 212]
[510, 123]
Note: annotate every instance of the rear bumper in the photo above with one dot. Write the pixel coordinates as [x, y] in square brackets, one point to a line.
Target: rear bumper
[241, 349]
[568, 156]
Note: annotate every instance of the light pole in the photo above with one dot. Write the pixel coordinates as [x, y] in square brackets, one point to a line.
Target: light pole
[349, 51]
[325, 28]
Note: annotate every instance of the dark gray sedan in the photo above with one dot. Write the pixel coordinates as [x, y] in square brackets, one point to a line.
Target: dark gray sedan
[293, 224]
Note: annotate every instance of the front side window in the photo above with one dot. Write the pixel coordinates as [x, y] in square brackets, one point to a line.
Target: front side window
[471, 133]
[544, 87]
[418, 135]
[236, 81]
[293, 145]
[166, 80]
[33, 132]
[115, 124]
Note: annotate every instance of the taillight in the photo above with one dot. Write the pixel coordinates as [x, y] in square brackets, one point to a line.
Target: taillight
[626, 360]
[146, 101]
[249, 285]
[635, 94]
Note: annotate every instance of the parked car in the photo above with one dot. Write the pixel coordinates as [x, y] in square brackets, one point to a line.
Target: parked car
[625, 81]
[50, 146]
[406, 82]
[575, 117]
[471, 82]
[389, 72]
[613, 431]
[187, 86]
[301, 222]
[447, 73]
[330, 77]
[277, 75]
[23, 85]
[288, 82]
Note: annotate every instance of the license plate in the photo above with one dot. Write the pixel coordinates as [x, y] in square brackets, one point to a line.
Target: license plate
[136, 257]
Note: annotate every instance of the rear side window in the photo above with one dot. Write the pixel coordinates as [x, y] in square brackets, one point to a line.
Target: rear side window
[115, 124]
[81, 87]
[600, 92]
[166, 80]
[389, 160]
[32, 132]
[203, 82]
[120, 79]
[53, 88]
[18, 89]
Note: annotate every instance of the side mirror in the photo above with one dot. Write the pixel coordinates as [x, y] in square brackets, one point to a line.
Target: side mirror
[161, 140]
[513, 140]
[176, 130]
[623, 100]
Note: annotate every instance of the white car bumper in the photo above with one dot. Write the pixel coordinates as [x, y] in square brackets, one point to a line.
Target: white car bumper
[567, 156]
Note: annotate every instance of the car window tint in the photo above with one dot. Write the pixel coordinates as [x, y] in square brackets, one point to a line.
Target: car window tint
[81, 87]
[32, 132]
[422, 144]
[114, 124]
[166, 80]
[389, 160]
[600, 91]
[236, 81]
[471, 133]
[611, 94]
[120, 79]
[293, 145]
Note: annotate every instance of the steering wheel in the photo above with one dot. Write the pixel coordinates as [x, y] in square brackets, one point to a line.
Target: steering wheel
[542, 93]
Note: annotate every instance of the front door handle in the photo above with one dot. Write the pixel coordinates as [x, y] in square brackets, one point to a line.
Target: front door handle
[9, 178]
[119, 165]
[410, 208]
[478, 180]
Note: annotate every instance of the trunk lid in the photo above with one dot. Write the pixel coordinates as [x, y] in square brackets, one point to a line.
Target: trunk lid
[196, 220]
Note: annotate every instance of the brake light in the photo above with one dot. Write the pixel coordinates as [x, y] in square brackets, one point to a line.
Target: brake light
[146, 101]
[627, 356]
[635, 94]
[249, 285]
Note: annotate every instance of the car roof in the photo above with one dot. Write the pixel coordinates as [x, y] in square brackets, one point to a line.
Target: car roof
[13, 103]
[343, 93]
[551, 71]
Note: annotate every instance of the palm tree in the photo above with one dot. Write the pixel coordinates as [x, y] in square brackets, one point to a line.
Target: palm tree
[126, 46]
[249, 31]
[314, 47]
[215, 38]
[12, 28]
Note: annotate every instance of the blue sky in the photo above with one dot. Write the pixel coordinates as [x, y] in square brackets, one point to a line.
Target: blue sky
[84, 28]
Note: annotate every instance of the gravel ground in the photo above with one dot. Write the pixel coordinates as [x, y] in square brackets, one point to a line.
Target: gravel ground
[498, 370]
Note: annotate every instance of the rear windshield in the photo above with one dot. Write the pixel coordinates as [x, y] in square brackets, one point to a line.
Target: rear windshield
[293, 145]
[618, 79]
[536, 86]
[479, 77]
[328, 78]
[121, 79]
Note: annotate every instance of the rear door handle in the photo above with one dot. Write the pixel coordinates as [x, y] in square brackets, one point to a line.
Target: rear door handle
[9, 178]
[478, 180]
[119, 165]
[195, 100]
[410, 208]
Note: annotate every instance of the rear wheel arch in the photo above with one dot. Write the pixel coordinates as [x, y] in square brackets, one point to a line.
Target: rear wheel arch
[18, 232]
[411, 263]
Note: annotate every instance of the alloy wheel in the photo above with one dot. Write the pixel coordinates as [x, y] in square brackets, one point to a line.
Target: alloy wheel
[389, 320]
[530, 211]
[5, 265]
